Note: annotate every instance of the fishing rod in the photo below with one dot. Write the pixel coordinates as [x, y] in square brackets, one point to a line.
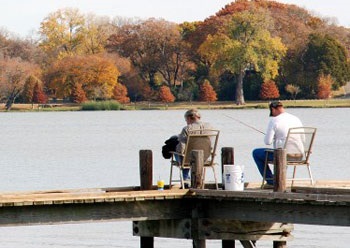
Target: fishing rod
[245, 124]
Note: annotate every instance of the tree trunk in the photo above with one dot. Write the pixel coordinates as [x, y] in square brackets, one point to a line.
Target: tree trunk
[239, 89]
[10, 101]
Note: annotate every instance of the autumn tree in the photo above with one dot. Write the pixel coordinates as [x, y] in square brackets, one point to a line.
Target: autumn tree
[62, 33]
[38, 94]
[13, 75]
[153, 47]
[78, 95]
[269, 90]
[245, 44]
[293, 90]
[324, 87]
[96, 31]
[120, 93]
[165, 94]
[206, 92]
[28, 89]
[97, 74]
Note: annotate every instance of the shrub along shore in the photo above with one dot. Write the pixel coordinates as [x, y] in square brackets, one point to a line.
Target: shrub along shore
[113, 105]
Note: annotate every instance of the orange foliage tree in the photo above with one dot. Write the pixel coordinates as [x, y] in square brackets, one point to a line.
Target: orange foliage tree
[324, 86]
[207, 93]
[120, 93]
[269, 90]
[165, 94]
[38, 94]
[97, 74]
[13, 75]
[78, 94]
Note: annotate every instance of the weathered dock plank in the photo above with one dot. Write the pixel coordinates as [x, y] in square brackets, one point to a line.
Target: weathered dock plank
[248, 205]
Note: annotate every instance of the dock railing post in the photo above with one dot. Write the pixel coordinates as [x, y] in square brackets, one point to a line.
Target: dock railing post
[227, 157]
[197, 163]
[146, 183]
[280, 178]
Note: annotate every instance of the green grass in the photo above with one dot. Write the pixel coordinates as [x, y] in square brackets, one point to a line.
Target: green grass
[114, 105]
[232, 105]
[103, 105]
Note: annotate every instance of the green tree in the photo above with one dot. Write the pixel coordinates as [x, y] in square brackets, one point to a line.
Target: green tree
[325, 55]
[246, 45]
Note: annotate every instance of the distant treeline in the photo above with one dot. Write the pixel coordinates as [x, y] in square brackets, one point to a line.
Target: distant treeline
[249, 50]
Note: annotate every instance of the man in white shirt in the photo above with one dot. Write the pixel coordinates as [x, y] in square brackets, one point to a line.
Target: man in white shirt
[276, 134]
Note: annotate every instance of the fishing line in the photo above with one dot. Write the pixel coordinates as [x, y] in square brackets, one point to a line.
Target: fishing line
[245, 124]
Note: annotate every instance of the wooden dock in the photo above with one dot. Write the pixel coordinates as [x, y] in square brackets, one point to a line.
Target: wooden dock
[199, 214]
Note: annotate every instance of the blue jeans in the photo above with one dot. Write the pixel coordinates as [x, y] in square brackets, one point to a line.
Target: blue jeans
[185, 172]
[259, 158]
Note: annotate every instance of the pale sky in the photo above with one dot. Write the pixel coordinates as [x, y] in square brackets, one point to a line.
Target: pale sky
[24, 16]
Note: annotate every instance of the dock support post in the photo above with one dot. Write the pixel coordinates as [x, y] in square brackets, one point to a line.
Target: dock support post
[280, 177]
[227, 157]
[197, 163]
[280, 170]
[146, 183]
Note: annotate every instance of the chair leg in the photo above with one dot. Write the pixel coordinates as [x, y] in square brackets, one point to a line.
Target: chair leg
[181, 178]
[264, 174]
[171, 176]
[294, 173]
[310, 175]
[203, 177]
[215, 178]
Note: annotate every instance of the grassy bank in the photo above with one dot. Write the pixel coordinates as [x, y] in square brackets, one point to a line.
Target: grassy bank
[110, 105]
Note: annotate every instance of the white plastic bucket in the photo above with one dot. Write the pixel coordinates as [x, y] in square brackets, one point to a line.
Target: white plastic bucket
[233, 177]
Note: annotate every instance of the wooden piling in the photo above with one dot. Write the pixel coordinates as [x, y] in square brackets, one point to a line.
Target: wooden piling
[197, 163]
[146, 183]
[280, 170]
[280, 177]
[227, 157]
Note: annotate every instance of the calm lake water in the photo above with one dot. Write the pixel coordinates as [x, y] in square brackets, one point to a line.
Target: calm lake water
[66, 150]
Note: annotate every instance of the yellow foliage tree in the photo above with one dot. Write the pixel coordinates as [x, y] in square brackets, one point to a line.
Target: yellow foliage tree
[98, 76]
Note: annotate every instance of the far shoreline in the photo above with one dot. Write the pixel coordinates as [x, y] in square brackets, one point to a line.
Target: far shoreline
[145, 105]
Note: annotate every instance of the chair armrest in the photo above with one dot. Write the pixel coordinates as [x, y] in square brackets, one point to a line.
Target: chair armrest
[269, 150]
